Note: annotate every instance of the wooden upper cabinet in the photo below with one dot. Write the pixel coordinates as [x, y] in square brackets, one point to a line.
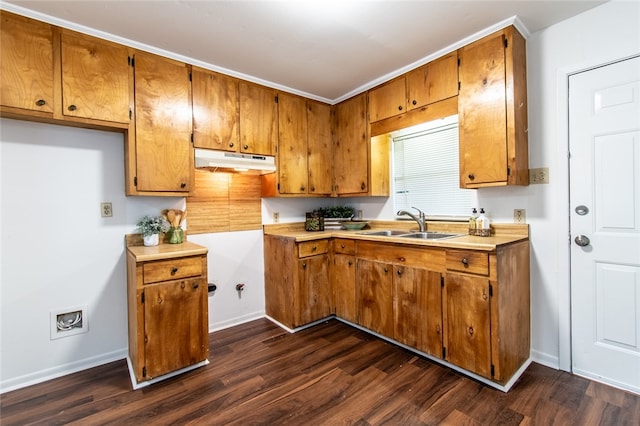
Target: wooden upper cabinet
[215, 111]
[95, 78]
[292, 144]
[319, 148]
[26, 67]
[351, 147]
[258, 119]
[163, 150]
[388, 99]
[433, 82]
[492, 108]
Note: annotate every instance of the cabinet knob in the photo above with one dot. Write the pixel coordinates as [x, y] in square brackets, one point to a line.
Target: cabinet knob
[313, 189]
[350, 263]
[399, 272]
[301, 187]
[195, 285]
[363, 186]
[471, 331]
[245, 146]
[386, 270]
[41, 102]
[173, 271]
[414, 102]
[314, 248]
[401, 259]
[72, 107]
[471, 176]
[464, 261]
[399, 107]
[484, 81]
[341, 246]
[231, 144]
[304, 265]
[183, 185]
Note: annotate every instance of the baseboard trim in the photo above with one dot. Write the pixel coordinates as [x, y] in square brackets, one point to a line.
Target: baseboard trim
[61, 370]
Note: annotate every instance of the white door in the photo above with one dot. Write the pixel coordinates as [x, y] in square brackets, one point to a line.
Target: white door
[604, 144]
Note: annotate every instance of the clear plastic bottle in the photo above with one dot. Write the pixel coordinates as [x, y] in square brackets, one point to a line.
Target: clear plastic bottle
[472, 221]
[482, 225]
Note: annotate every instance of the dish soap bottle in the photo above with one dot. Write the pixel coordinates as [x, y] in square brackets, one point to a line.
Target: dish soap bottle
[472, 222]
[482, 225]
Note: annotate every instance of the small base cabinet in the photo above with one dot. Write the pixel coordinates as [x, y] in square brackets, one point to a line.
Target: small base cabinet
[168, 309]
[297, 290]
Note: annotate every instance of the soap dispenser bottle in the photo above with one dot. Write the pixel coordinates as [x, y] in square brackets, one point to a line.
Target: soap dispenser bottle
[482, 225]
[472, 221]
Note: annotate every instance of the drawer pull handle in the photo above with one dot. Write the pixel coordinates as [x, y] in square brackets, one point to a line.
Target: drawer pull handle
[471, 331]
[399, 272]
[173, 271]
[72, 107]
[341, 245]
[41, 102]
[245, 146]
[350, 263]
[314, 248]
[195, 286]
[464, 261]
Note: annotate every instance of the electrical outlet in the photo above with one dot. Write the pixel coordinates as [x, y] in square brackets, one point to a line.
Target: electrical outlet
[538, 176]
[276, 217]
[519, 216]
[106, 209]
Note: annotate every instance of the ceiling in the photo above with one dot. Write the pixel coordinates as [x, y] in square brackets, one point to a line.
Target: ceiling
[326, 50]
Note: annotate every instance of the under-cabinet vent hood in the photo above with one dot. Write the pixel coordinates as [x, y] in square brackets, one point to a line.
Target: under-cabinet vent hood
[233, 161]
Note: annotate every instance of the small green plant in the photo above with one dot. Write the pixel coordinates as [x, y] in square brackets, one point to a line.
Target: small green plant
[336, 212]
[150, 225]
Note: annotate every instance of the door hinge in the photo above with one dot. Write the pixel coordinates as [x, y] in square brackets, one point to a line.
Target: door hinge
[278, 186]
[275, 99]
[459, 86]
[144, 371]
[444, 352]
[508, 171]
[142, 297]
[458, 61]
[130, 113]
[490, 290]
[132, 61]
[506, 42]
[135, 181]
[192, 138]
[190, 77]
[441, 281]
[493, 370]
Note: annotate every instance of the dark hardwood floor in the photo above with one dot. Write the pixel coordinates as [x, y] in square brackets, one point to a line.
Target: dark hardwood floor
[330, 374]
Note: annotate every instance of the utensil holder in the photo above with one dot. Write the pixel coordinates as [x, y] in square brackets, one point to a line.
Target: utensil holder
[176, 235]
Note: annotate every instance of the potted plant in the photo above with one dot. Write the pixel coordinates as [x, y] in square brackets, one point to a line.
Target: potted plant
[150, 227]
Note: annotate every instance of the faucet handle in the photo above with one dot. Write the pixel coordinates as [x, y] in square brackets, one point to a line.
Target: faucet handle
[422, 215]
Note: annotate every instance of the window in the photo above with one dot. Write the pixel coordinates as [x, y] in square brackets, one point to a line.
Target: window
[426, 170]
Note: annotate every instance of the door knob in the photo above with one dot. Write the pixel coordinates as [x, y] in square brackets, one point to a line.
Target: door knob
[582, 210]
[582, 240]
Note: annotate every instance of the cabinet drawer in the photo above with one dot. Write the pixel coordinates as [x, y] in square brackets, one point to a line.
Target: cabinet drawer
[344, 246]
[310, 248]
[468, 261]
[172, 269]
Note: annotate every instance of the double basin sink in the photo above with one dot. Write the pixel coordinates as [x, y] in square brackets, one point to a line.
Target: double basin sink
[406, 234]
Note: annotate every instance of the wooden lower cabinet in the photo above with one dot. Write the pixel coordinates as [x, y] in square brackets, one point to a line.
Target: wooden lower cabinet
[467, 307]
[343, 279]
[374, 296]
[417, 309]
[168, 312]
[297, 289]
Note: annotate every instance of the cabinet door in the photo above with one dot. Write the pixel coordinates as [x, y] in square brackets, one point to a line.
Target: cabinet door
[215, 111]
[467, 325]
[388, 100]
[292, 144]
[95, 78]
[164, 155]
[374, 298]
[258, 119]
[351, 151]
[319, 148]
[344, 286]
[433, 82]
[26, 67]
[175, 323]
[482, 112]
[418, 309]
[314, 290]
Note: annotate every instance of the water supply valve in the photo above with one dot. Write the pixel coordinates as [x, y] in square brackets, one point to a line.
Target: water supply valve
[239, 287]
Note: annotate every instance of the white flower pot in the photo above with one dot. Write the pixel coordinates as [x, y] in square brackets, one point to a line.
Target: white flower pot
[150, 240]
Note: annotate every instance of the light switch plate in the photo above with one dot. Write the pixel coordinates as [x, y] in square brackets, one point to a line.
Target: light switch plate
[538, 176]
[519, 216]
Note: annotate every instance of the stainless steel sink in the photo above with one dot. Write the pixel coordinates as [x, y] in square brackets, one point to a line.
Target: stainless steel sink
[385, 233]
[429, 235]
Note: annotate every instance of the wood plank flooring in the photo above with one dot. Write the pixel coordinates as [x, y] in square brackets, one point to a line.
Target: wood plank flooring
[330, 374]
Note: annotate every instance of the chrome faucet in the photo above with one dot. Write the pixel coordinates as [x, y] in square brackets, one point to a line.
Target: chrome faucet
[420, 219]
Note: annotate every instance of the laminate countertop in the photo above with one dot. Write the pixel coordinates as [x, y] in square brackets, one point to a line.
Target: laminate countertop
[501, 234]
[162, 251]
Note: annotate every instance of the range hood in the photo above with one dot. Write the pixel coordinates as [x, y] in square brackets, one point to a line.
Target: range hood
[234, 161]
